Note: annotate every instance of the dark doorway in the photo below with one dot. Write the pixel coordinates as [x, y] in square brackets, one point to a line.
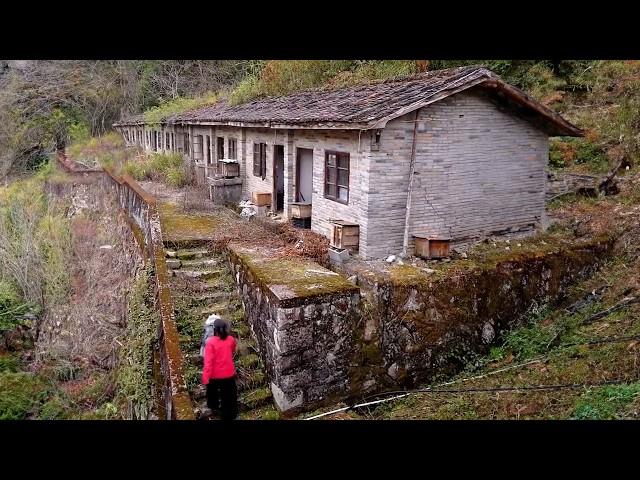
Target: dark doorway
[278, 176]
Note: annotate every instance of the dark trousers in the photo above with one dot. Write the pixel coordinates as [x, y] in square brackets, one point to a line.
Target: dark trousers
[222, 394]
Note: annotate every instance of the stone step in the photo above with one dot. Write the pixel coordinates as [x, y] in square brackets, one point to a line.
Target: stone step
[199, 274]
[219, 308]
[173, 263]
[189, 253]
[211, 295]
[199, 263]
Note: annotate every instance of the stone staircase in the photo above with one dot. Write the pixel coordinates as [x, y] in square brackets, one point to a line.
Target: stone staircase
[202, 284]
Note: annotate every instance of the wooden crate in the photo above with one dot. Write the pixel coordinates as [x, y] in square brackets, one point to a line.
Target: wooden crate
[261, 199]
[346, 235]
[301, 210]
[229, 169]
[428, 247]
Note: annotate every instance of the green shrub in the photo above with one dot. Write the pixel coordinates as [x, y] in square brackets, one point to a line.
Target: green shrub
[20, 394]
[175, 177]
[55, 409]
[579, 151]
[156, 115]
[248, 89]
[605, 403]
[137, 170]
[164, 167]
[9, 363]
[36, 242]
[11, 307]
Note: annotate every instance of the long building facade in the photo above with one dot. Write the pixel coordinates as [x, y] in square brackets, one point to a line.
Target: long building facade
[455, 154]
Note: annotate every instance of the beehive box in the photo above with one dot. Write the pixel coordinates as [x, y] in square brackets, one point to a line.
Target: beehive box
[261, 199]
[346, 235]
[428, 247]
[300, 210]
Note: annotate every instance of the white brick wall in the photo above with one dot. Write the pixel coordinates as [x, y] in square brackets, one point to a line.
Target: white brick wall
[478, 170]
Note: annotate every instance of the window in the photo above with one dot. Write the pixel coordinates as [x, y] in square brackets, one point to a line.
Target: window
[168, 141]
[260, 160]
[220, 148]
[336, 176]
[198, 145]
[186, 143]
[232, 148]
[208, 147]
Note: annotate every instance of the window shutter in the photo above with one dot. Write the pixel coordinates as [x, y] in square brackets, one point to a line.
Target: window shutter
[263, 160]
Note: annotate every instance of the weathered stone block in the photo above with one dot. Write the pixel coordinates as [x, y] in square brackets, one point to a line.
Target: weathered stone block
[292, 340]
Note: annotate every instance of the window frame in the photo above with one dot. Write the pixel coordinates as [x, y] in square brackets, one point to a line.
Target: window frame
[260, 160]
[219, 148]
[337, 169]
[232, 148]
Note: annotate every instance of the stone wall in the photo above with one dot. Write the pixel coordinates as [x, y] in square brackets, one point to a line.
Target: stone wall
[416, 325]
[307, 342]
[225, 190]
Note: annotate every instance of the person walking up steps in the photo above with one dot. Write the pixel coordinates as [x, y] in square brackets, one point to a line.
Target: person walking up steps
[219, 373]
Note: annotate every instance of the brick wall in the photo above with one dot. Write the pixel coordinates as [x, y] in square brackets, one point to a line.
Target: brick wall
[478, 170]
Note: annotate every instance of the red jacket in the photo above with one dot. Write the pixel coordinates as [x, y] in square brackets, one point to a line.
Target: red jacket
[218, 358]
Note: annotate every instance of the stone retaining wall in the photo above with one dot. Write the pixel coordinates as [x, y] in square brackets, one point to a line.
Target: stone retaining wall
[420, 325]
[307, 341]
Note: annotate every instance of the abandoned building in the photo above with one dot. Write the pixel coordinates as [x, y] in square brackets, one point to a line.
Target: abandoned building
[451, 155]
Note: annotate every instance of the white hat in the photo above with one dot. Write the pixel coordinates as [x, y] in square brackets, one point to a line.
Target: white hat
[212, 318]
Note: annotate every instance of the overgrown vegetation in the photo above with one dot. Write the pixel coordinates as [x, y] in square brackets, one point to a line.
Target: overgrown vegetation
[134, 378]
[21, 393]
[106, 151]
[280, 77]
[155, 115]
[12, 308]
[605, 403]
[168, 168]
[34, 242]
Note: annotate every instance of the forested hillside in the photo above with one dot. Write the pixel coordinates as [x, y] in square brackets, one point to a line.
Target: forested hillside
[44, 104]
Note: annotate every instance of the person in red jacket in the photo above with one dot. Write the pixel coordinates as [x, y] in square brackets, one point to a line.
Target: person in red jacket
[219, 373]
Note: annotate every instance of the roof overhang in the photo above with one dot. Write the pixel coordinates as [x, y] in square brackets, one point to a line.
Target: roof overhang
[544, 118]
[517, 101]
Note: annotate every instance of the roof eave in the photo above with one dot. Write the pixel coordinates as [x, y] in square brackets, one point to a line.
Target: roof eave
[562, 126]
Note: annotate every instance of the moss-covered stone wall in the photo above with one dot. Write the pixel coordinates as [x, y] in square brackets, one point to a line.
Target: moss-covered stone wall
[419, 325]
[304, 323]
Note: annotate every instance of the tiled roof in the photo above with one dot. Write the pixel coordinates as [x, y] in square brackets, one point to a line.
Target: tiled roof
[370, 105]
[131, 120]
[352, 105]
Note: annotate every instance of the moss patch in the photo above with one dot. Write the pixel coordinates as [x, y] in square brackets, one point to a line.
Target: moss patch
[293, 278]
[179, 227]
